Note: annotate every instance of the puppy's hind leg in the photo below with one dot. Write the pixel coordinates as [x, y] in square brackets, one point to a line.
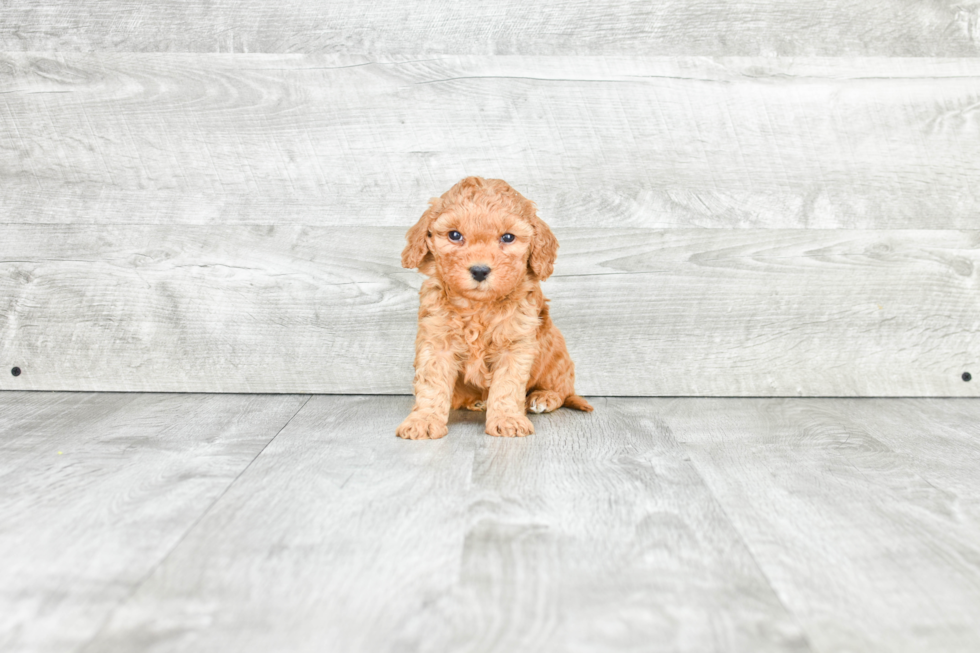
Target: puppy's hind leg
[554, 386]
[468, 397]
[543, 401]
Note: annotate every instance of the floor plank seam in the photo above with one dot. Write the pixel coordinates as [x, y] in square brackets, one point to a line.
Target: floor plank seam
[748, 549]
[190, 529]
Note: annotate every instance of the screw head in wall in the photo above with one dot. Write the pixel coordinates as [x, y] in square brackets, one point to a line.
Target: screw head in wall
[15, 371]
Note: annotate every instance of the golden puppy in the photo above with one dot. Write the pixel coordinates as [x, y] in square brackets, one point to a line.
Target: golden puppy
[485, 340]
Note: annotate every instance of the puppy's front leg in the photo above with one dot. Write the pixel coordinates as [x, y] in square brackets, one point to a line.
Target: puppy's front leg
[508, 386]
[436, 368]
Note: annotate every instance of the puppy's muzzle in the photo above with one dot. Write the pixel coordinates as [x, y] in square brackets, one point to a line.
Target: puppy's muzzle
[479, 272]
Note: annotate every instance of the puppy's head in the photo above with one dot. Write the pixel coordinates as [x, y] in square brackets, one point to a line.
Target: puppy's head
[482, 238]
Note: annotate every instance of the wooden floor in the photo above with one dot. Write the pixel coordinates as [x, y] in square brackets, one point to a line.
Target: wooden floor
[174, 522]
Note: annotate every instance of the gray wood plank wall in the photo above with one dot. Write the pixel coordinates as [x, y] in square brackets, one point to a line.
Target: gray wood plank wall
[732, 222]
[595, 141]
[917, 28]
[329, 309]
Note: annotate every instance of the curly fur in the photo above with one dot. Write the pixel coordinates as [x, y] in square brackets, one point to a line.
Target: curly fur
[485, 345]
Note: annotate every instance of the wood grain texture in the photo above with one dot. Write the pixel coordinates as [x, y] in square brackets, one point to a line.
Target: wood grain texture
[872, 549]
[645, 312]
[592, 535]
[95, 491]
[596, 534]
[684, 524]
[340, 534]
[595, 141]
[567, 27]
[946, 455]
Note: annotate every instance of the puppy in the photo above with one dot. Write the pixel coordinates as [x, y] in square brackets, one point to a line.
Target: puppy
[485, 340]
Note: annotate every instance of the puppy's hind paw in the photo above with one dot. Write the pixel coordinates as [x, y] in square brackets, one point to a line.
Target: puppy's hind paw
[510, 426]
[421, 427]
[543, 401]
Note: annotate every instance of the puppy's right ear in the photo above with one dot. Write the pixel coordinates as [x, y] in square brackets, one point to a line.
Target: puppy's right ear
[417, 249]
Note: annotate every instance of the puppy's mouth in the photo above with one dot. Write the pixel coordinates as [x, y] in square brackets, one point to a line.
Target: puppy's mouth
[481, 287]
[476, 289]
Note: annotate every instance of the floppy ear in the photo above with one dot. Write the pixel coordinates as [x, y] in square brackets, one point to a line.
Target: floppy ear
[544, 250]
[417, 250]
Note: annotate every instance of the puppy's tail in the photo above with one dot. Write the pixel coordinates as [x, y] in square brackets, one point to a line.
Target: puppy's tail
[578, 403]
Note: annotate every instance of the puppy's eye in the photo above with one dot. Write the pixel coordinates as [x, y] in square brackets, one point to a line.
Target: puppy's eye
[507, 238]
[455, 236]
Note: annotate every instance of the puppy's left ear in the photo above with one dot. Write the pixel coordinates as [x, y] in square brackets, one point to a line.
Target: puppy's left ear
[544, 249]
[417, 249]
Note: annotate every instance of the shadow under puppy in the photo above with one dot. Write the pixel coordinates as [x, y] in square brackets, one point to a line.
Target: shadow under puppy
[485, 340]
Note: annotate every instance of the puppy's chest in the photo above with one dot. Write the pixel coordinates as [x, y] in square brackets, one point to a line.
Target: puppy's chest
[481, 349]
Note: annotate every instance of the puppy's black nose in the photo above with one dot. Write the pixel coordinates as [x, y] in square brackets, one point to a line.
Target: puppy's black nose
[479, 272]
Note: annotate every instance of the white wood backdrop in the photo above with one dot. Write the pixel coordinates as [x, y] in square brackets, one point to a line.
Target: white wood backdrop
[595, 141]
[917, 28]
[328, 309]
[730, 225]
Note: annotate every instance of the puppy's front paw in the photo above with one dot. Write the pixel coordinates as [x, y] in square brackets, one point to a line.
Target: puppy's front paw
[543, 401]
[509, 426]
[421, 427]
